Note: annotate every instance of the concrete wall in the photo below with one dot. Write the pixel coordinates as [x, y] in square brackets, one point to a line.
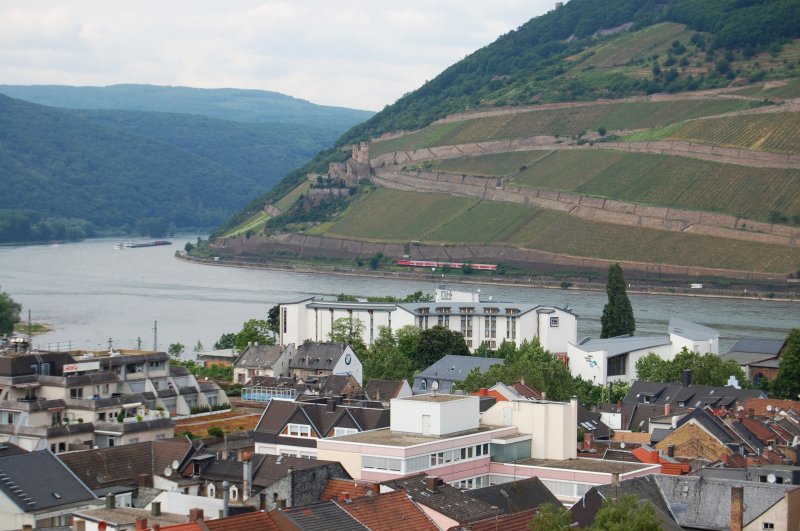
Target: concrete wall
[553, 426]
[445, 417]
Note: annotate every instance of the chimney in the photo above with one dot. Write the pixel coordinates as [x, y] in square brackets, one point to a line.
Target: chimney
[737, 508]
[110, 501]
[195, 515]
[588, 441]
[225, 496]
[331, 405]
[667, 409]
[544, 395]
[247, 457]
[686, 378]
[671, 450]
[141, 524]
[145, 480]
[155, 508]
[431, 483]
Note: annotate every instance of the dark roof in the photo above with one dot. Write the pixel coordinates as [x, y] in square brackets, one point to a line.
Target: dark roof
[590, 423]
[516, 496]
[317, 356]
[38, 480]
[758, 346]
[506, 522]
[278, 413]
[645, 488]
[275, 467]
[452, 368]
[9, 448]
[122, 465]
[383, 389]
[692, 395]
[462, 507]
[637, 416]
[259, 356]
[338, 385]
[322, 516]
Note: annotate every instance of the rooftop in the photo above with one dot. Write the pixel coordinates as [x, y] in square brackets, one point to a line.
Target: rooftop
[127, 515]
[614, 346]
[436, 398]
[690, 330]
[586, 464]
[387, 437]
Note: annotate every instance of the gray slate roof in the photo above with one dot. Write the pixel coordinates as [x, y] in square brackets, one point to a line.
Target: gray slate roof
[615, 346]
[317, 356]
[258, 356]
[21, 480]
[456, 368]
[689, 330]
[758, 346]
[705, 503]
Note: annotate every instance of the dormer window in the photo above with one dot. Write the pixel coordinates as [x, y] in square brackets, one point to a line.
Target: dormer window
[297, 430]
[234, 492]
[211, 491]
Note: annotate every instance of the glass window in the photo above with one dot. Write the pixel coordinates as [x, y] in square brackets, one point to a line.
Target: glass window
[298, 430]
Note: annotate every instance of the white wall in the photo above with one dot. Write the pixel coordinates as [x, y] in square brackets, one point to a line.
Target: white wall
[557, 338]
[704, 346]
[354, 366]
[445, 417]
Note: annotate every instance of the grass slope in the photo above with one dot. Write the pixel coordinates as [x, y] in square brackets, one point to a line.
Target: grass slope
[661, 180]
[408, 216]
[773, 132]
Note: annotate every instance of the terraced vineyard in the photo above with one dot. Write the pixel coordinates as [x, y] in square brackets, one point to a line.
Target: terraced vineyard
[776, 133]
[617, 52]
[431, 218]
[561, 121]
[495, 165]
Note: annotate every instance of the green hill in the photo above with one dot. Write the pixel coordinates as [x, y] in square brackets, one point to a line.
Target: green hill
[225, 104]
[660, 134]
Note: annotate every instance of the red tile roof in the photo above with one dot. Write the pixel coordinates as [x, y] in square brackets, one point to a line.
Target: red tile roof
[392, 511]
[491, 392]
[759, 406]
[526, 391]
[356, 489]
[244, 522]
[759, 429]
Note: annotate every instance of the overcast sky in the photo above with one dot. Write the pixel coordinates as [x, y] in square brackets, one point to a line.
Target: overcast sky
[352, 53]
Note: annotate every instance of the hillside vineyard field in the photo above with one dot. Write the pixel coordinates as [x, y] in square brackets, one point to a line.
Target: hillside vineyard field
[666, 137]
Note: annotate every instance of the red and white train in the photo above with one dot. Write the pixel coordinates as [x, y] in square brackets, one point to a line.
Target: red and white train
[451, 265]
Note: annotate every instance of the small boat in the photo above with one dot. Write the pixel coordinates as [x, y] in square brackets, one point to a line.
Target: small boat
[118, 245]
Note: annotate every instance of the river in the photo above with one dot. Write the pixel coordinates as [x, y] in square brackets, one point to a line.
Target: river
[91, 293]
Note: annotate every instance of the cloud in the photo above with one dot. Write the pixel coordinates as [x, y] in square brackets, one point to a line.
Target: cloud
[353, 53]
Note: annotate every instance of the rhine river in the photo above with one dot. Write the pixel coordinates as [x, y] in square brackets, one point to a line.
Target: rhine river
[90, 292]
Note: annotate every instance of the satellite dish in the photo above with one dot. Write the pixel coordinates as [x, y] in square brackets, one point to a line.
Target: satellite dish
[435, 385]
[771, 478]
[175, 465]
[769, 407]
[168, 471]
[622, 445]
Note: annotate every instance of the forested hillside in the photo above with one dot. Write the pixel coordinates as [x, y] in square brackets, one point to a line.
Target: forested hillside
[226, 104]
[71, 173]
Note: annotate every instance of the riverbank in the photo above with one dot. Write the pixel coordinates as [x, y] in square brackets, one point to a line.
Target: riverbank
[572, 284]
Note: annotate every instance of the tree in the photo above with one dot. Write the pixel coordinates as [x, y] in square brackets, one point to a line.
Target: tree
[651, 368]
[617, 319]
[274, 319]
[225, 341]
[551, 517]
[625, 514]
[707, 369]
[436, 342]
[176, 349]
[198, 347]
[787, 383]
[350, 331]
[384, 360]
[9, 313]
[254, 331]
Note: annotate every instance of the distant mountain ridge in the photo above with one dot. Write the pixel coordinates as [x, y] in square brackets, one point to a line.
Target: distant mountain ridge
[238, 105]
[71, 172]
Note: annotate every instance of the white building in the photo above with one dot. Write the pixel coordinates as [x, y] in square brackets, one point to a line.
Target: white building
[478, 320]
[614, 359]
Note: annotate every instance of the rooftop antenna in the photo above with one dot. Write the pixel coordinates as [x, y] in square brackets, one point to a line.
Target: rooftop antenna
[138, 343]
[30, 333]
[110, 345]
[155, 336]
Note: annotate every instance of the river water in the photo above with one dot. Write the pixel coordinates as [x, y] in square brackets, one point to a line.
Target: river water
[91, 293]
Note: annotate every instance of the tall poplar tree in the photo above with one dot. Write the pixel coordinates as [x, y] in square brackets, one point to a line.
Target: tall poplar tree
[617, 319]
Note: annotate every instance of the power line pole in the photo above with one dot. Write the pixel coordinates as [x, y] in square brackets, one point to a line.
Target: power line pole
[155, 336]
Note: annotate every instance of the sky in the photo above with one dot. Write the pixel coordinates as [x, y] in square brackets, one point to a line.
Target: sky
[351, 53]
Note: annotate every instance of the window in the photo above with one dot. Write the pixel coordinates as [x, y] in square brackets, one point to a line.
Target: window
[490, 327]
[343, 431]
[76, 392]
[381, 463]
[466, 326]
[511, 329]
[769, 525]
[298, 430]
[156, 365]
[443, 320]
[211, 491]
[616, 365]
[234, 493]
[423, 385]
[6, 417]
[554, 322]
